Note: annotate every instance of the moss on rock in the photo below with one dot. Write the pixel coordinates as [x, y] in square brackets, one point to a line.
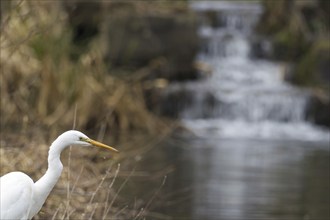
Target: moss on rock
[313, 69]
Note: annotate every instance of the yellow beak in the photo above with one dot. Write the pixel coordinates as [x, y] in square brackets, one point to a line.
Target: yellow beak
[99, 144]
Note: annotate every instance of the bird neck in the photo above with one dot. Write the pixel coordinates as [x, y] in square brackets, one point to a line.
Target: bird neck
[55, 166]
[47, 182]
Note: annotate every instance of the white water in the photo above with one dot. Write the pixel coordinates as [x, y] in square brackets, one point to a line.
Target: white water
[242, 97]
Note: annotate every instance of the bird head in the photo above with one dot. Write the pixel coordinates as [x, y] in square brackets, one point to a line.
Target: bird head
[77, 138]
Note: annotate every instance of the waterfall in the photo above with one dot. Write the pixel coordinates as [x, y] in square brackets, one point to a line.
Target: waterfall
[243, 97]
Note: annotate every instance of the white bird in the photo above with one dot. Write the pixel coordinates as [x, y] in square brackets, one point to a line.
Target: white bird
[21, 198]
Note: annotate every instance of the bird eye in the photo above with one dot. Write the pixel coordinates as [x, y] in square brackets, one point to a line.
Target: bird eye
[81, 138]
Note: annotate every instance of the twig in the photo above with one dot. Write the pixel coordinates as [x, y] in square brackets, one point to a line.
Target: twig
[106, 210]
[117, 193]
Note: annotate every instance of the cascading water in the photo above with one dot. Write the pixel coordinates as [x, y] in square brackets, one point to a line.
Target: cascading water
[242, 97]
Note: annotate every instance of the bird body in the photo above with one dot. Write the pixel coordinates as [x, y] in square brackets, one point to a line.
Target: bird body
[21, 197]
[16, 187]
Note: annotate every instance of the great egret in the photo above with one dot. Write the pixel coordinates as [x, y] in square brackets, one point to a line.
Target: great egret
[21, 198]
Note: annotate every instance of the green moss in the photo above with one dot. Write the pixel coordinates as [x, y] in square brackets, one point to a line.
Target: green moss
[52, 46]
[289, 45]
[313, 68]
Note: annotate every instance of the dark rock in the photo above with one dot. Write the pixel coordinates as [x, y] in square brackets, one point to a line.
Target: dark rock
[261, 49]
[182, 102]
[318, 111]
[170, 104]
[138, 36]
[175, 103]
[85, 18]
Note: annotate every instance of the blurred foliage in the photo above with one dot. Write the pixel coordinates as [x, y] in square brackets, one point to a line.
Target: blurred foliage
[315, 60]
[299, 31]
[294, 26]
[160, 34]
[41, 85]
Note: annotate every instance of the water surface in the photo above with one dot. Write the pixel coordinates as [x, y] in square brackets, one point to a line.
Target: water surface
[218, 179]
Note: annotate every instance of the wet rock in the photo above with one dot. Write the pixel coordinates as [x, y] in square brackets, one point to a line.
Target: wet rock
[261, 48]
[183, 102]
[169, 104]
[318, 110]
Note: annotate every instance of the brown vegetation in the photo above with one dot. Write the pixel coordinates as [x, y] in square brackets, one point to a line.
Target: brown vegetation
[41, 85]
[44, 92]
